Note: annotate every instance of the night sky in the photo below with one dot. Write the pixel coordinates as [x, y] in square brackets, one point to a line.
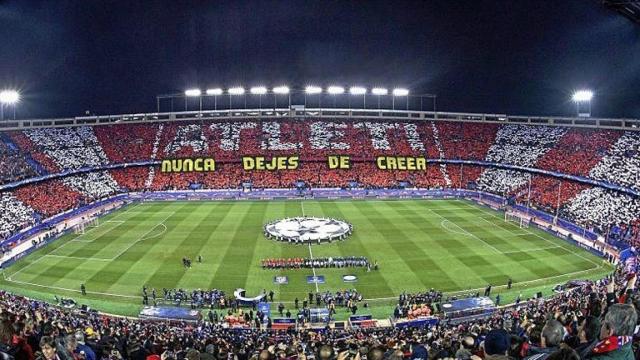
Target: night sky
[511, 56]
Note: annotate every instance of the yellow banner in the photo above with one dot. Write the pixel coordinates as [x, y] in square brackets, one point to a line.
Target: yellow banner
[410, 163]
[188, 165]
[275, 163]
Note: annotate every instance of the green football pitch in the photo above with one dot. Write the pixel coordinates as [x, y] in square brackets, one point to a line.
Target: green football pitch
[451, 245]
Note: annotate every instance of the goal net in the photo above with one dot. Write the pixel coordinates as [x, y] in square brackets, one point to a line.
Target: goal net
[84, 226]
[522, 221]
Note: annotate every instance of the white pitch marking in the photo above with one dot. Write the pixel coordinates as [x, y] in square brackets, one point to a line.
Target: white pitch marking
[465, 231]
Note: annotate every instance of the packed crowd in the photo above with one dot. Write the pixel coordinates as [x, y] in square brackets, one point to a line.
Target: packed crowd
[520, 145]
[14, 215]
[607, 155]
[621, 164]
[321, 262]
[597, 320]
[14, 165]
[600, 209]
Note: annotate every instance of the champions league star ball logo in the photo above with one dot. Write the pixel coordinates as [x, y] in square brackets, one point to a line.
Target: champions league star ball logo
[308, 230]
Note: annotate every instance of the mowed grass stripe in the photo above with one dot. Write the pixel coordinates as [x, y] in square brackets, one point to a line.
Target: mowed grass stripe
[366, 231]
[112, 272]
[376, 285]
[449, 248]
[223, 239]
[161, 266]
[234, 269]
[520, 254]
[566, 258]
[403, 244]
[577, 259]
[201, 238]
[109, 244]
[464, 255]
[529, 260]
[63, 272]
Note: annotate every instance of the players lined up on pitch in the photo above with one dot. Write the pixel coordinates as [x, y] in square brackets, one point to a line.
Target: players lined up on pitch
[323, 262]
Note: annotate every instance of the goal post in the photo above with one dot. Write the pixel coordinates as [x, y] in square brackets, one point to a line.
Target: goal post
[93, 222]
[84, 226]
[79, 229]
[520, 220]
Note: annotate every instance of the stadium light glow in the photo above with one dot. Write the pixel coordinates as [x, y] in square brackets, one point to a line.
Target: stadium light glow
[357, 90]
[193, 92]
[258, 90]
[236, 90]
[9, 97]
[281, 90]
[582, 96]
[214, 92]
[379, 91]
[400, 92]
[313, 90]
[335, 90]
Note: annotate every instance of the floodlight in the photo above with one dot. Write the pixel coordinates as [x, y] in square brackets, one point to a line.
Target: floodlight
[258, 90]
[400, 92]
[379, 91]
[281, 90]
[357, 90]
[236, 90]
[582, 96]
[215, 92]
[313, 90]
[9, 97]
[193, 92]
[335, 90]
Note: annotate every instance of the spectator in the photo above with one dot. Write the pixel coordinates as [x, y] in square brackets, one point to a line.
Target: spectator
[49, 349]
[550, 339]
[616, 333]
[497, 344]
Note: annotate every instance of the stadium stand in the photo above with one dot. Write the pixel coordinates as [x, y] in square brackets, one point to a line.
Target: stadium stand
[578, 151]
[14, 164]
[15, 215]
[602, 208]
[49, 198]
[621, 165]
[127, 143]
[607, 155]
[69, 148]
[516, 145]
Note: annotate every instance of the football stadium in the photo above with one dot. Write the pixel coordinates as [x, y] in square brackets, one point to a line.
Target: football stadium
[318, 220]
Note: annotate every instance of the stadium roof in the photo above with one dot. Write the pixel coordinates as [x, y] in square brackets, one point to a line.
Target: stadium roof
[627, 8]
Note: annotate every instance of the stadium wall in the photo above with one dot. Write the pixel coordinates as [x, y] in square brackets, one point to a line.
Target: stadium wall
[284, 113]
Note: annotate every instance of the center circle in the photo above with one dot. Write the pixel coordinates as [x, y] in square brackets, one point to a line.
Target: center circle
[307, 229]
